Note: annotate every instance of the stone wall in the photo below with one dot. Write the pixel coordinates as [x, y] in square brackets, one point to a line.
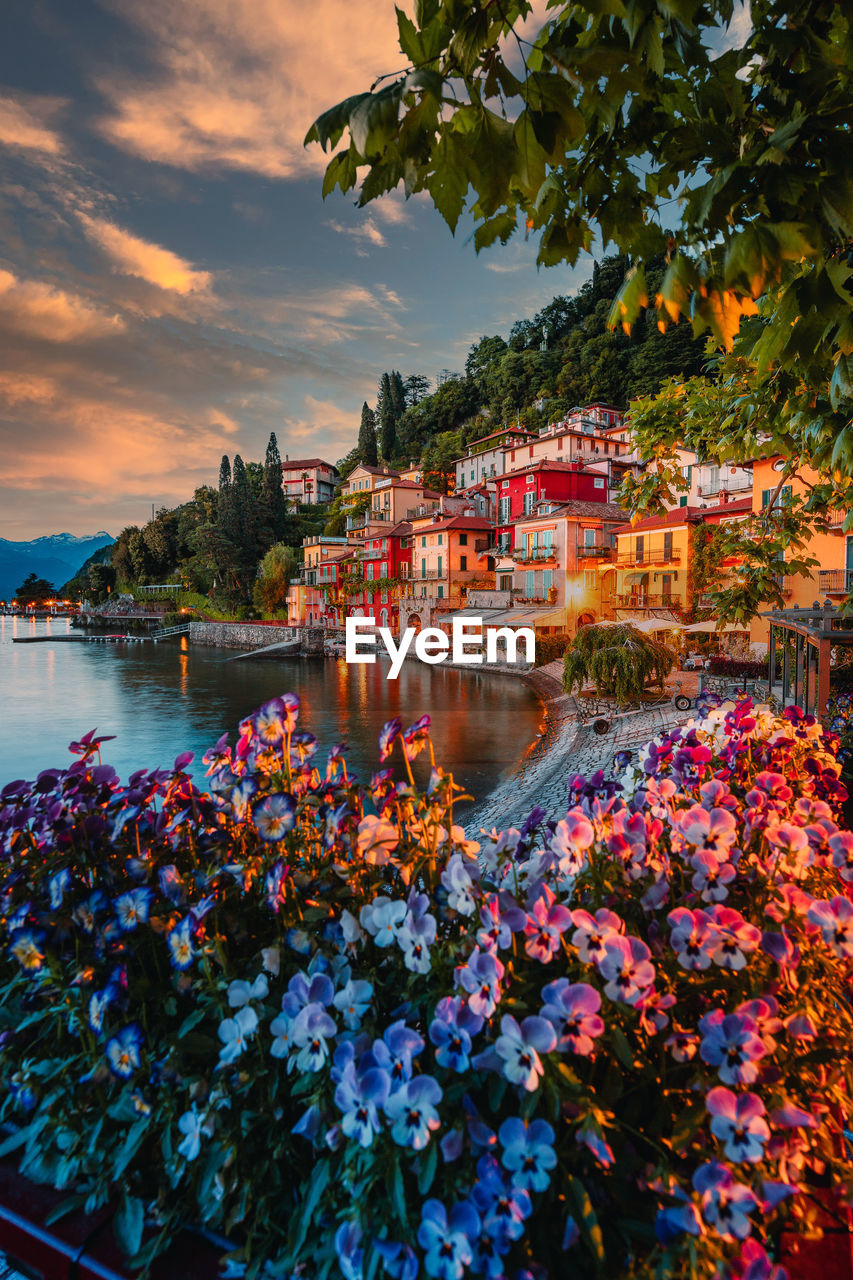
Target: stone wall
[239, 635]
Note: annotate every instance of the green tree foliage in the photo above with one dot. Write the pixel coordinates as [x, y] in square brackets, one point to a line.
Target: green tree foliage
[415, 387]
[627, 126]
[94, 579]
[438, 461]
[619, 661]
[367, 450]
[273, 501]
[278, 566]
[385, 412]
[35, 590]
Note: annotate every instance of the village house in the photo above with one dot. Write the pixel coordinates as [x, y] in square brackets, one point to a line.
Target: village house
[520, 491]
[446, 563]
[308, 480]
[386, 561]
[484, 459]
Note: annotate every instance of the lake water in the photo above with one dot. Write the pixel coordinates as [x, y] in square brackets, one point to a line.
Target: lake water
[161, 699]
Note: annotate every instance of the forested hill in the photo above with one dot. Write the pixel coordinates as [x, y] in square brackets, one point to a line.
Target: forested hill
[546, 365]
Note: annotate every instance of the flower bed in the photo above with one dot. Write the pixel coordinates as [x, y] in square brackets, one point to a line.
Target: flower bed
[314, 1017]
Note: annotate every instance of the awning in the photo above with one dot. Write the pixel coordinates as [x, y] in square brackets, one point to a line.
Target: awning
[648, 625]
[636, 577]
[711, 627]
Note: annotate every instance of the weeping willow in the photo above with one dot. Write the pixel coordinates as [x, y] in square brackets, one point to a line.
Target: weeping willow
[620, 661]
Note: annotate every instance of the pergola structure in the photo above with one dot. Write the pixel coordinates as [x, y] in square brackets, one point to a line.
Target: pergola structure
[801, 644]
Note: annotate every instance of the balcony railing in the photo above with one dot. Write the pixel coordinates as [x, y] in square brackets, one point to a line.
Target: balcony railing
[649, 557]
[531, 555]
[836, 520]
[595, 552]
[421, 510]
[647, 601]
[431, 575]
[835, 582]
[495, 549]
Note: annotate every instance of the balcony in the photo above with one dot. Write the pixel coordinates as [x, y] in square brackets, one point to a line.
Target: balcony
[836, 520]
[495, 549]
[422, 509]
[646, 601]
[835, 582]
[649, 557]
[596, 552]
[533, 555]
[431, 575]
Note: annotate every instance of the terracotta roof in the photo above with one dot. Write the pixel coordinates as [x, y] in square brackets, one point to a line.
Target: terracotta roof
[301, 463]
[549, 464]
[455, 522]
[688, 515]
[412, 484]
[582, 507]
[375, 471]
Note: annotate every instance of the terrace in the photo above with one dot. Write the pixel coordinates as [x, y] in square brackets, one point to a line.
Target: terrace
[649, 557]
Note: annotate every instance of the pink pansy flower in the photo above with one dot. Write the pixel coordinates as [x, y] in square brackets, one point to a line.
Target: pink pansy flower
[791, 900]
[790, 847]
[597, 1144]
[572, 1009]
[626, 969]
[713, 831]
[716, 795]
[774, 785]
[545, 925]
[569, 843]
[592, 932]
[842, 854]
[763, 1014]
[835, 921]
[711, 877]
[691, 938]
[738, 1121]
[819, 834]
[801, 1027]
[733, 938]
[652, 1008]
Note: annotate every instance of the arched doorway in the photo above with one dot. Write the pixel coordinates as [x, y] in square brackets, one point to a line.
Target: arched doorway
[415, 621]
[383, 618]
[584, 619]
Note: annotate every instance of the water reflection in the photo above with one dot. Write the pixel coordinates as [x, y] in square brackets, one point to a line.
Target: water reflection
[160, 699]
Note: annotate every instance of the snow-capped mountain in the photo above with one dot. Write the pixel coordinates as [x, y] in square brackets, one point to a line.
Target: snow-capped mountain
[55, 556]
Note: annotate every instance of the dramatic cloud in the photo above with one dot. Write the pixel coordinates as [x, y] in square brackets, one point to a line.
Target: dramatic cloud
[235, 84]
[136, 257]
[25, 124]
[37, 310]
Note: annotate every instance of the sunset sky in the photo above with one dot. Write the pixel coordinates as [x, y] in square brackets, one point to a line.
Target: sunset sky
[172, 286]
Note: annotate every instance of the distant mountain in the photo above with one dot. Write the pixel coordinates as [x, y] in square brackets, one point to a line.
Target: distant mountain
[55, 556]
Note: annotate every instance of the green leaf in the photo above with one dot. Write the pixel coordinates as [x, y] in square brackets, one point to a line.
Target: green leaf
[132, 1143]
[128, 1225]
[841, 384]
[398, 1194]
[623, 1050]
[630, 300]
[14, 1142]
[588, 1221]
[426, 1172]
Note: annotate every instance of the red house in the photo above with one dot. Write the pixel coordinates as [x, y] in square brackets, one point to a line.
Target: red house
[384, 559]
[520, 491]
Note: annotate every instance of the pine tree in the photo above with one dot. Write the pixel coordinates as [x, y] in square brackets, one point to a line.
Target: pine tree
[244, 513]
[367, 437]
[273, 499]
[398, 396]
[387, 419]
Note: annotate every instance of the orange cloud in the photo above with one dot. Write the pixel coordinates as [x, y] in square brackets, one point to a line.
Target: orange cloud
[24, 124]
[133, 256]
[238, 82]
[32, 309]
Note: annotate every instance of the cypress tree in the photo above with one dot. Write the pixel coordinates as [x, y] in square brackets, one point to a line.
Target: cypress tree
[367, 436]
[387, 420]
[244, 514]
[274, 501]
[398, 396]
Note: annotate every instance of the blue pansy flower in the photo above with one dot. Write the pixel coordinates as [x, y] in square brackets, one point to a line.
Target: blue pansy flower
[398, 1260]
[528, 1153]
[360, 1098]
[132, 908]
[274, 816]
[181, 950]
[122, 1051]
[27, 946]
[58, 885]
[412, 1112]
[347, 1247]
[447, 1238]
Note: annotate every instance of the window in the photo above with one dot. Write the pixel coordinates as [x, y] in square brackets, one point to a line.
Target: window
[463, 562]
[439, 566]
[598, 483]
[640, 550]
[440, 592]
[423, 568]
[666, 585]
[463, 539]
[505, 582]
[527, 505]
[667, 546]
[504, 484]
[531, 479]
[383, 569]
[440, 539]
[589, 579]
[369, 573]
[589, 537]
[682, 501]
[547, 580]
[528, 583]
[783, 500]
[423, 542]
[503, 507]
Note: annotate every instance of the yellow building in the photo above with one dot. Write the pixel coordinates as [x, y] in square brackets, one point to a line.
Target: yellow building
[832, 578]
[650, 576]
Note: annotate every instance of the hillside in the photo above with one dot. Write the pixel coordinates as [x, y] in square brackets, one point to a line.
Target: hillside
[56, 557]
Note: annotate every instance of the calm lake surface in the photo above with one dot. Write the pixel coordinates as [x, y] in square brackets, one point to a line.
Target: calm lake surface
[161, 699]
